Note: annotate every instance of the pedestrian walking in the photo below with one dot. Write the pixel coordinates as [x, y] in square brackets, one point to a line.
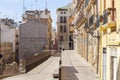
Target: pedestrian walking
[63, 48]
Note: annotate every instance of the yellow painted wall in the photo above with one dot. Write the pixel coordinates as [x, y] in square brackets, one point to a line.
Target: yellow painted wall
[118, 34]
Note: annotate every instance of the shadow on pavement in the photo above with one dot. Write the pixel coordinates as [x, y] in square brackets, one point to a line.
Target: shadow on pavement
[68, 73]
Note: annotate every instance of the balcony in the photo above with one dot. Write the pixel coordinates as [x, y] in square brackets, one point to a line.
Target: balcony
[108, 19]
[81, 19]
[92, 1]
[97, 23]
[89, 4]
[78, 6]
[86, 3]
[87, 9]
[86, 25]
[91, 20]
[105, 16]
[112, 24]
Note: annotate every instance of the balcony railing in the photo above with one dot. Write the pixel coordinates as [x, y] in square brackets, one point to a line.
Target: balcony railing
[79, 18]
[97, 23]
[91, 20]
[81, 15]
[86, 25]
[86, 3]
[78, 5]
[92, 1]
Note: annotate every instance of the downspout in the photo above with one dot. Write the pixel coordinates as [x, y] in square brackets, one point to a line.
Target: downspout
[98, 38]
[87, 47]
[100, 43]
[113, 10]
[104, 4]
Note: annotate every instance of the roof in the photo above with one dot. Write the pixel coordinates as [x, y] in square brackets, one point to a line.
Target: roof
[68, 6]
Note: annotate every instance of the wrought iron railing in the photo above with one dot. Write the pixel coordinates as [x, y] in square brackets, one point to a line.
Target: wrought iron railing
[86, 3]
[91, 20]
[97, 23]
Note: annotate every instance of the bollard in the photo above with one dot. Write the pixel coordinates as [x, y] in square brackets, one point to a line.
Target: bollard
[60, 73]
[60, 62]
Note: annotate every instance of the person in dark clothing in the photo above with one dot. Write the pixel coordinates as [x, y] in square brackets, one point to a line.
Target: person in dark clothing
[63, 48]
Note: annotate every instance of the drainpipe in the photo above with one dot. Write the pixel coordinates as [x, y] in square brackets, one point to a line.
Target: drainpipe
[112, 10]
[98, 38]
[100, 43]
[87, 48]
[97, 71]
[104, 4]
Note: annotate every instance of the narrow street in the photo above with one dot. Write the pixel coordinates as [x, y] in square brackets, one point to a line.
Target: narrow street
[74, 67]
[60, 40]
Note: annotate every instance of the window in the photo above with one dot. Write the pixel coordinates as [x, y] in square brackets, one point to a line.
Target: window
[86, 2]
[104, 58]
[105, 16]
[61, 12]
[65, 20]
[70, 38]
[65, 28]
[61, 19]
[61, 28]
[91, 20]
[61, 38]
[98, 21]
[64, 12]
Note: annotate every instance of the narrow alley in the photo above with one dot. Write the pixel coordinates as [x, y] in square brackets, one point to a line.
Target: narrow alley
[74, 67]
[60, 40]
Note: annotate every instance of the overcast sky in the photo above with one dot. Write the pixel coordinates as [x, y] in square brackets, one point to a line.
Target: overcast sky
[14, 8]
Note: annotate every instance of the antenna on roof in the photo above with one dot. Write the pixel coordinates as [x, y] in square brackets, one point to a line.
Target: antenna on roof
[23, 6]
[46, 4]
[46, 7]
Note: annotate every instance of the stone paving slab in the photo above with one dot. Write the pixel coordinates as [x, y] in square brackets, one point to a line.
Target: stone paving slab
[74, 67]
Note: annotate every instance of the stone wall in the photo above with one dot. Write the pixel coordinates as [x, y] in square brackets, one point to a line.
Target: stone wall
[33, 38]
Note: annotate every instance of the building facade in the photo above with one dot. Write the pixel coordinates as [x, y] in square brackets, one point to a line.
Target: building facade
[35, 33]
[63, 27]
[7, 42]
[54, 40]
[97, 31]
[109, 38]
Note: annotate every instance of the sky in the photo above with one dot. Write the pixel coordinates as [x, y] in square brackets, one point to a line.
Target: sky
[13, 9]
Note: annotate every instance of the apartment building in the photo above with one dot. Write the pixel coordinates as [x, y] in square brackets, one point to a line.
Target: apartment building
[7, 42]
[63, 27]
[97, 27]
[109, 38]
[35, 32]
